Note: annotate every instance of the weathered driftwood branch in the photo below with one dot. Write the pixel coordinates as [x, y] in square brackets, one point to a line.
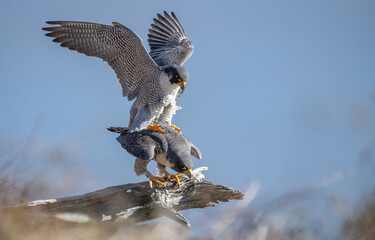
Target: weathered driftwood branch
[136, 202]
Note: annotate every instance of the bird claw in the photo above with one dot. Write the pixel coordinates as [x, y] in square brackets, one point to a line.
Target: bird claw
[175, 177]
[158, 180]
[155, 127]
[170, 176]
[176, 128]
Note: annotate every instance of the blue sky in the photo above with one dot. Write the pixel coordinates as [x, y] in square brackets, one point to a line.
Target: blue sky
[281, 92]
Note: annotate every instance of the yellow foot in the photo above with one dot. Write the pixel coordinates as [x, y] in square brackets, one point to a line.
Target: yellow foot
[170, 176]
[157, 180]
[155, 127]
[175, 177]
[177, 128]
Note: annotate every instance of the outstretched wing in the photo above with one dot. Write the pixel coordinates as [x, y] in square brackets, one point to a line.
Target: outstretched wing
[168, 41]
[117, 45]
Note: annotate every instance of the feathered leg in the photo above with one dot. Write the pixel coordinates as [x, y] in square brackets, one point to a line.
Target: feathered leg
[167, 115]
[140, 167]
[142, 121]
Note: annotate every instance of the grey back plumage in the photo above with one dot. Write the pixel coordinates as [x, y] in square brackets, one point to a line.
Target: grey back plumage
[117, 45]
[146, 144]
[168, 41]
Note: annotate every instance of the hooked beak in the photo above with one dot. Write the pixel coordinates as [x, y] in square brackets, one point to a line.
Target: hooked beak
[182, 84]
[187, 173]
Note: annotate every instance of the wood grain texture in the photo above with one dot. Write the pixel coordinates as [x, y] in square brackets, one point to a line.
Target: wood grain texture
[135, 203]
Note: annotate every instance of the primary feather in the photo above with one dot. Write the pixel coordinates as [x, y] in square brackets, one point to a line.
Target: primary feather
[168, 41]
[117, 45]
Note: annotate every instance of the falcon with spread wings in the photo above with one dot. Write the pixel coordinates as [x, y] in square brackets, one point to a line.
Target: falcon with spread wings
[155, 80]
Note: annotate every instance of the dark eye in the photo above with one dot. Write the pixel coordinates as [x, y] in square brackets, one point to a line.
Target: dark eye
[182, 167]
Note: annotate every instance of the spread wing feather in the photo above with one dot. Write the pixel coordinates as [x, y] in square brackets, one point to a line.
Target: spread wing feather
[168, 41]
[117, 45]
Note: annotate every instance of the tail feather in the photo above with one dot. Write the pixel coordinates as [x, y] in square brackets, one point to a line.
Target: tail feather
[118, 129]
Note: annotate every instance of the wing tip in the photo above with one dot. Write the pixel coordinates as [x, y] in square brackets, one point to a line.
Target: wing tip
[117, 24]
[55, 22]
[166, 25]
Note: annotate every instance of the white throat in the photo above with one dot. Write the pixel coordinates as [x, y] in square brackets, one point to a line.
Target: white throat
[166, 86]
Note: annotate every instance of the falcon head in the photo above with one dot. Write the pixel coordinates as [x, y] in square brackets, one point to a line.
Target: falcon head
[177, 75]
[181, 163]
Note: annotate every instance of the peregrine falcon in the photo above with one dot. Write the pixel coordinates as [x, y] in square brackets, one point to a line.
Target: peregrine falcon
[156, 79]
[168, 149]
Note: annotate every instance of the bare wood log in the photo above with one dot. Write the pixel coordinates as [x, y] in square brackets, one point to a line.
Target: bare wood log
[135, 202]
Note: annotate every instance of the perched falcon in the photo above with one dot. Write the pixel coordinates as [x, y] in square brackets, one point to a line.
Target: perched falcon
[168, 149]
[156, 79]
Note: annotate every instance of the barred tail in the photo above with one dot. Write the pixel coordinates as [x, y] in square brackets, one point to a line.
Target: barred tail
[118, 129]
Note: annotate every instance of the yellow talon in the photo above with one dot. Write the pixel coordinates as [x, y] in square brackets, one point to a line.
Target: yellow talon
[177, 128]
[175, 177]
[155, 127]
[157, 180]
[170, 176]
